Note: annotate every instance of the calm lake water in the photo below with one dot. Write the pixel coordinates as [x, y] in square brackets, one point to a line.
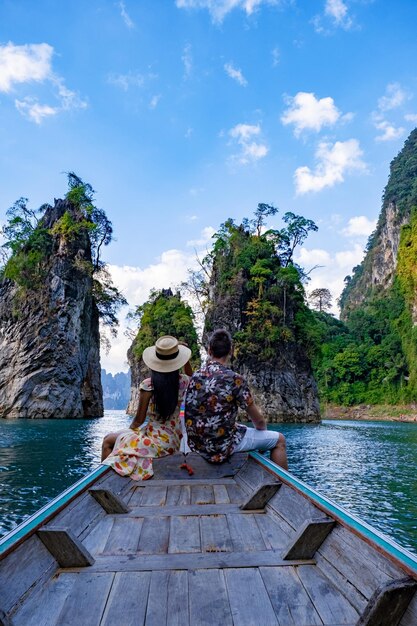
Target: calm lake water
[367, 467]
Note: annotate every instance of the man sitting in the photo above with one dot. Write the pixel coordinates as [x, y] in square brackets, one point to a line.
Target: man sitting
[214, 394]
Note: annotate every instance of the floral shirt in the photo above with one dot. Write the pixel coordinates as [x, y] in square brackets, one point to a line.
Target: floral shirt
[214, 395]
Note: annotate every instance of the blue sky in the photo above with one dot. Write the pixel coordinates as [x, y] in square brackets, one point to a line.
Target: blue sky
[182, 113]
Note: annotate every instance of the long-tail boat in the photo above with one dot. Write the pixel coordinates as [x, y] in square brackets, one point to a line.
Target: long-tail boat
[242, 543]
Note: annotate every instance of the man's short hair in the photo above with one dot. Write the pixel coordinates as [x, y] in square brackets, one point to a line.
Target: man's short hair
[220, 343]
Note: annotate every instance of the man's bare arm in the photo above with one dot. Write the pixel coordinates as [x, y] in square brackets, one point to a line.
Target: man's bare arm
[256, 416]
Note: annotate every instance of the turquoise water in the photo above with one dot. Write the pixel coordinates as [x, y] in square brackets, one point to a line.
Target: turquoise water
[367, 467]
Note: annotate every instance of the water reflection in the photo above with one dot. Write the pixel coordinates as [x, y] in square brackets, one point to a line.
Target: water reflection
[367, 467]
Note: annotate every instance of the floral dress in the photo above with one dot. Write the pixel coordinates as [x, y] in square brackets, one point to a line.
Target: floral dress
[136, 447]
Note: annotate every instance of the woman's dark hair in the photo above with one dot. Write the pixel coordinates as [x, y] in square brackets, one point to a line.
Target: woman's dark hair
[220, 343]
[165, 392]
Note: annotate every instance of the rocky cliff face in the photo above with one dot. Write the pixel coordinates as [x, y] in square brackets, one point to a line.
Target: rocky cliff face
[283, 386]
[377, 270]
[49, 336]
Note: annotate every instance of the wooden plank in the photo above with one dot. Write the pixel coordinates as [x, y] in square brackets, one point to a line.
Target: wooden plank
[389, 603]
[21, 569]
[4, 619]
[252, 474]
[235, 493]
[329, 602]
[209, 603]
[220, 494]
[359, 566]
[196, 560]
[215, 534]
[118, 484]
[249, 600]
[154, 496]
[351, 593]
[110, 502]
[128, 599]
[202, 494]
[410, 616]
[85, 604]
[190, 510]
[185, 495]
[124, 536]
[184, 535]
[291, 602]
[173, 495]
[157, 609]
[178, 612]
[44, 605]
[65, 547]
[245, 533]
[293, 507]
[261, 496]
[136, 497]
[272, 534]
[188, 480]
[308, 539]
[96, 540]
[154, 537]
[169, 467]
[79, 516]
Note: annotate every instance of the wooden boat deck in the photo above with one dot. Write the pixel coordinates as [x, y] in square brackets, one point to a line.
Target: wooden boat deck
[181, 551]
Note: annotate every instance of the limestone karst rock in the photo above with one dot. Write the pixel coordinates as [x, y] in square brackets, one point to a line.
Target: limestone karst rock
[49, 336]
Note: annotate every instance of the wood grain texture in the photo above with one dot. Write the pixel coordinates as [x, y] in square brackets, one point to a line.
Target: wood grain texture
[308, 539]
[65, 547]
[96, 540]
[215, 534]
[85, 604]
[178, 611]
[154, 537]
[44, 605]
[261, 496]
[21, 570]
[154, 495]
[202, 494]
[124, 536]
[209, 602]
[245, 533]
[330, 604]
[249, 600]
[291, 602]
[157, 609]
[110, 502]
[389, 603]
[128, 599]
[184, 535]
[220, 494]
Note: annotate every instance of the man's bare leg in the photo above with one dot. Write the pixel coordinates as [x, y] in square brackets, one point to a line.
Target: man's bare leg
[279, 453]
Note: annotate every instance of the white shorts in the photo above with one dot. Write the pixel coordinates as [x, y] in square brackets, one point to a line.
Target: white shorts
[257, 440]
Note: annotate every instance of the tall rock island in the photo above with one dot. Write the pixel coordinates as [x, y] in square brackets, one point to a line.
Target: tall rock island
[255, 292]
[53, 290]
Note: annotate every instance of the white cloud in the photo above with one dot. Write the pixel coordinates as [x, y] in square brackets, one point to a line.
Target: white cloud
[394, 97]
[24, 64]
[136, 283]
[389, 131]
[206, 236]
[125, 16]
[154, 101]
[218, 9]
[235, 74]
[34, 111]
[250, 150]
[411, 117]
[125, 81]
[32, 63]
[336, 13]
[333, 162]
[276, 57]
[331, 270]
[187, 60]
[306, 112]
[189, 132]
[359, 226]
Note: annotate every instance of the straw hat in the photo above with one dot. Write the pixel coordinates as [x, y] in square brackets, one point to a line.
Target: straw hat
[167, 355]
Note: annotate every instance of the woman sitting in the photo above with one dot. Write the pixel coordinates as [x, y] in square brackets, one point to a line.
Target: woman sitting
[130, 452]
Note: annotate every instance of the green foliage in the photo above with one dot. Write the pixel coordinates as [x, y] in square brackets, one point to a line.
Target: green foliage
[69, 228]
[273, 293]
[164, 314]
[108, 299]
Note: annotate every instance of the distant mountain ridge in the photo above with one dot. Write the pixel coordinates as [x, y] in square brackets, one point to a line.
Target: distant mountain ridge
[116, 390]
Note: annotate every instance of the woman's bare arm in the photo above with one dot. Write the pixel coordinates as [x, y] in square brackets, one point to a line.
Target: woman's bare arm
[144, 399]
